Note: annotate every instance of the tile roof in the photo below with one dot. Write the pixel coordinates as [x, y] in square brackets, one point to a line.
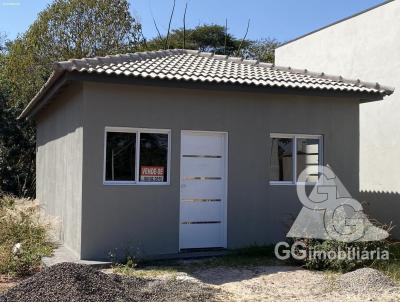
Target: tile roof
[195, 66]
[189, 65]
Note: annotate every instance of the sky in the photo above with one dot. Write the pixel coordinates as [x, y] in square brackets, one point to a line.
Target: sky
[280, 19]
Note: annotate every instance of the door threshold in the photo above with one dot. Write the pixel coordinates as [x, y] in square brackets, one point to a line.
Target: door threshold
[202, 249]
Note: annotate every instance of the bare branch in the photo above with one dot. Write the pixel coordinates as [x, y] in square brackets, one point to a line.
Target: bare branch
[154, 21]
[169, 26]
[226, 35]
[184, 26]
[143, 38]
[158, 31]
[244, 38]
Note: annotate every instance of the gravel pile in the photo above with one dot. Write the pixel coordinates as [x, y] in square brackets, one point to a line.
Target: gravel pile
[68, 282]
[365, 280]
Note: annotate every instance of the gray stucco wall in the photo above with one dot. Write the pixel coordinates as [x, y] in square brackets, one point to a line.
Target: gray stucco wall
[59, 140]
[366, 47]
[146, 218]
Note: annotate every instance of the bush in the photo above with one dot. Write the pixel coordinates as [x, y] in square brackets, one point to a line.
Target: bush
[342, 264]
[23, 236]
[391, 267]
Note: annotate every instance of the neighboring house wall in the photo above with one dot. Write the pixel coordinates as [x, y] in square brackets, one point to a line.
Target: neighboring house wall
[366, 47]
[59, 164]
[146, 218]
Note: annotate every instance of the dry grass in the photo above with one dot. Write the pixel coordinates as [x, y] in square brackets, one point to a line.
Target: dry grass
[22, 222]
[246, 257]
[391, 267]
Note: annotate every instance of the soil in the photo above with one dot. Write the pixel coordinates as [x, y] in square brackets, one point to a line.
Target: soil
[78, 283]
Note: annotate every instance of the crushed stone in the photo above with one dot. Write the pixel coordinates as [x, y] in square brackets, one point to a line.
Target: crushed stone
[69, 282]
[365, 280]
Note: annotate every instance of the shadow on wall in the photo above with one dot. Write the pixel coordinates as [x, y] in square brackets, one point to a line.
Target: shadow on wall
[384, 207]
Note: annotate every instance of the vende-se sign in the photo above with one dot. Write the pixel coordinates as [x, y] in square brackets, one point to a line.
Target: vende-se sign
[152, 173]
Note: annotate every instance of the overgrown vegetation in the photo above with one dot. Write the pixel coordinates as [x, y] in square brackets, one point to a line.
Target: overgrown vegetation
[24, 236]
[391, 267]
[344, 263]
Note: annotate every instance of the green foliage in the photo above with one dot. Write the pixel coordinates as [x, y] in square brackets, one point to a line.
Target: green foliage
[343, 264]
[262, 50]
[17, 152]
[22, 224]
[212, 38]
[207, 37]
[391, 267]
[68, 29]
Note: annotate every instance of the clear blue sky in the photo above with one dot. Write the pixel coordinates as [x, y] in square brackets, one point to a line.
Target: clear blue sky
[280, 19]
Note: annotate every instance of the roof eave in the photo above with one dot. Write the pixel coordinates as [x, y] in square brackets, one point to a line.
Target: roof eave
[54, 77]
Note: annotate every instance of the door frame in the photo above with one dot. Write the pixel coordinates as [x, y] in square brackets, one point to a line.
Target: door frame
[225, 210]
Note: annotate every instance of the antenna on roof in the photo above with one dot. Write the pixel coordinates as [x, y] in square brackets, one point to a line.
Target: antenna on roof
[166, 46]
[184, 26]
[158, 31]
[226, 34]
[244, 38]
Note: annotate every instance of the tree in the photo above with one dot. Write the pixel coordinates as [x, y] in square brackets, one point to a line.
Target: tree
[17, 152]
[69, 29]
[65, 29]
[207, 37]
[262, 50]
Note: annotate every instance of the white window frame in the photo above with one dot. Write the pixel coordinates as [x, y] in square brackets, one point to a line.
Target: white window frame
[138, 131]
[294, 152]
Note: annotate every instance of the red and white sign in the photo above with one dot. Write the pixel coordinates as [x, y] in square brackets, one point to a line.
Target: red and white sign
[152, 173]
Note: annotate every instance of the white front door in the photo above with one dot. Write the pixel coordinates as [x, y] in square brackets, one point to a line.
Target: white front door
[203, 189]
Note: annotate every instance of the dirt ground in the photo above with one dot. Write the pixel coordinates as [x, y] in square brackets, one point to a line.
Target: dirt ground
[275, 283]
[262, 283]
[280, 283]
[7, 282]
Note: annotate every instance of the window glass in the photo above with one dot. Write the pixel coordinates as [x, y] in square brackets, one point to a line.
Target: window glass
[281, 159]
[120, 156]
[153, 157]
[308, 157]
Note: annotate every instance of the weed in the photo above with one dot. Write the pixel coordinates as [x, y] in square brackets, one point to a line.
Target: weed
[23, 236]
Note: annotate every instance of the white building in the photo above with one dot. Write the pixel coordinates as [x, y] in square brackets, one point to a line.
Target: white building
[365, 46]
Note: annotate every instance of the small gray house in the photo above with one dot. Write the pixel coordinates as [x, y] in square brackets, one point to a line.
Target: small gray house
[176, 150]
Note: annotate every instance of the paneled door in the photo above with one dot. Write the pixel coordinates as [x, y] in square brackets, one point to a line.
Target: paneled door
[203, 191]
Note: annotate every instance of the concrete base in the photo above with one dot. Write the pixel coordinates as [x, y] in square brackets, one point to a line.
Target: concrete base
[190, 254]
[63, 254]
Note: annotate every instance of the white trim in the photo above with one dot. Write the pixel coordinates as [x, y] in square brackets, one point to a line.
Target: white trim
[294, 182]
[225, 214]
[137, 131]
[292, 135]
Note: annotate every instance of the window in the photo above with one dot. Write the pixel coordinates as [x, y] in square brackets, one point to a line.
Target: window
[293, 153]
[281, 159]
[120, 156]
[136, 156]
[153, 157]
